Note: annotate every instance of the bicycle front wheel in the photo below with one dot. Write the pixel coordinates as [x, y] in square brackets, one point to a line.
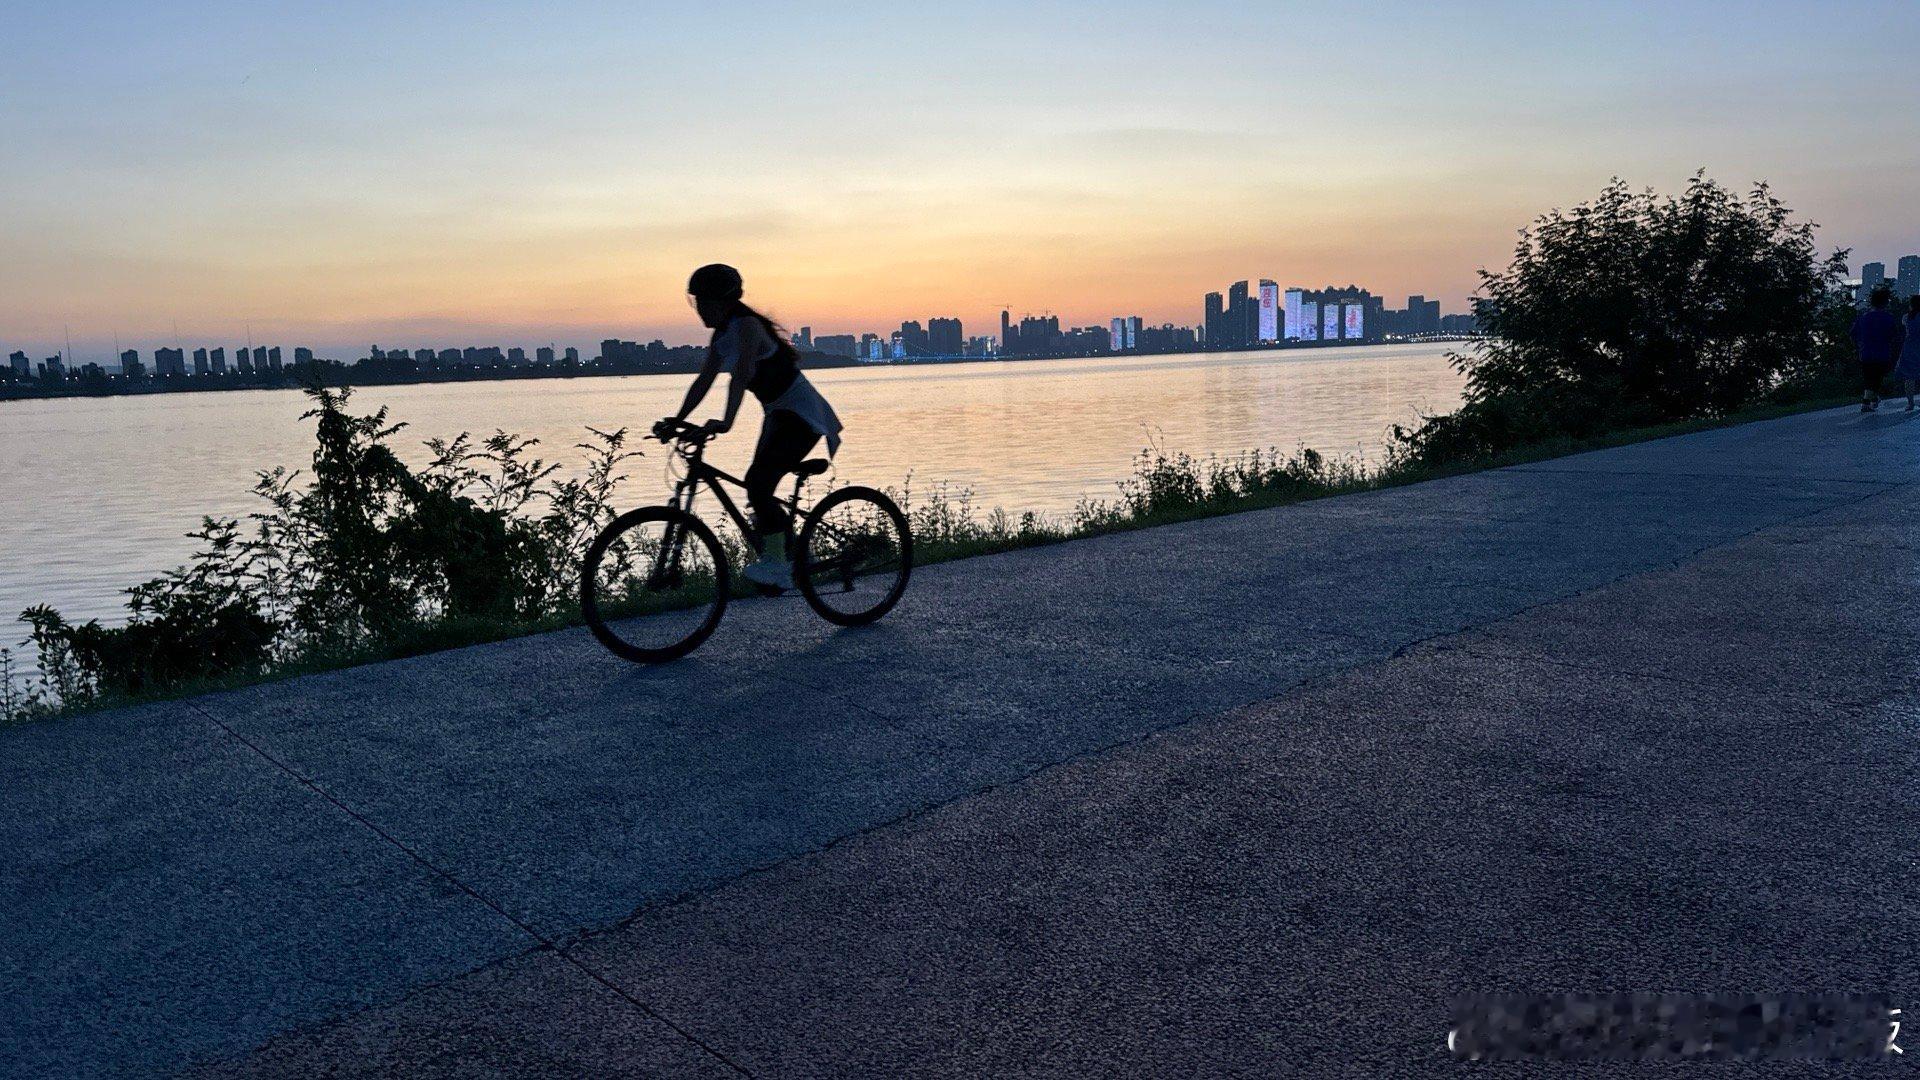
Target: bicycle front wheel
[654, 584]
[855, 555]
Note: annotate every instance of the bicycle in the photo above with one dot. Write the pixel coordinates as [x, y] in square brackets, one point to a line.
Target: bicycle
[656, 581]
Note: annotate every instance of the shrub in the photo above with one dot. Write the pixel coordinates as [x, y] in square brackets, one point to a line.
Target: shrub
[1635, 310]
[365, 554]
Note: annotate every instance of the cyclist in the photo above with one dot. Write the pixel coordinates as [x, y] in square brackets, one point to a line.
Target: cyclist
[758, 357]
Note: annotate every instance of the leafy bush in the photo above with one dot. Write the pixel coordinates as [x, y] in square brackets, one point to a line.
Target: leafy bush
[1635, 310]
[367, 554]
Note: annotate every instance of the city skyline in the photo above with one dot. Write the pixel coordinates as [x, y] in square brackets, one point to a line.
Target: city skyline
[941, 337]
[372, 173]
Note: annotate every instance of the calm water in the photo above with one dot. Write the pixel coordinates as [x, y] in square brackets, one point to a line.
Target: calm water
[97, 493]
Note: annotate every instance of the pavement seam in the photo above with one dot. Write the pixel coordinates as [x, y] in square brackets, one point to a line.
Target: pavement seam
[375, 828]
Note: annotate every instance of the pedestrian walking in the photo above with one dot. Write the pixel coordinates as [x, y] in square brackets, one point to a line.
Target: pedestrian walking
[1907, 366]
[1876, 334]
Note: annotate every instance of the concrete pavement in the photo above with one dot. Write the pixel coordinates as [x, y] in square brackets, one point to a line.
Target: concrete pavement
[1257, 795]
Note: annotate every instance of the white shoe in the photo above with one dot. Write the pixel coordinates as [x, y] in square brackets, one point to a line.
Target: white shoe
[773, 573]
[772, 569]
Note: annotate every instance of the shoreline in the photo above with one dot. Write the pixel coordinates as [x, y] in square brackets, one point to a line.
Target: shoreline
[341, 374]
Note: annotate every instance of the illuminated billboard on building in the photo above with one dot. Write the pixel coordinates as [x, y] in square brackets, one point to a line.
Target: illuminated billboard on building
[1294, 299]
[1269, 312]
[1356, 321]
[1309, 321]
[1330, 322]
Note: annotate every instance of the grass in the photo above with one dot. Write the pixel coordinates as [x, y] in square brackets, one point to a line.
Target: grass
[1163, 490]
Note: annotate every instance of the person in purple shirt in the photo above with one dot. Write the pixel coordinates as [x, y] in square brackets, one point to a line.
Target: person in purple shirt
[1908, 368]
[1877, 334]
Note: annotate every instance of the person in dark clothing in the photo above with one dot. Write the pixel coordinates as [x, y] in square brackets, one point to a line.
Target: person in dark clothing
[761, 361]
[1876, 334]
[1907, 369]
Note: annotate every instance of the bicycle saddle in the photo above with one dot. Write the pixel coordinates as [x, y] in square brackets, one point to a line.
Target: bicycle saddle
[812, 467]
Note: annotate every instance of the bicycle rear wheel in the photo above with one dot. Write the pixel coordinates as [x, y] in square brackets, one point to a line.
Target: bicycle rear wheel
[654, 584]
[855, 554]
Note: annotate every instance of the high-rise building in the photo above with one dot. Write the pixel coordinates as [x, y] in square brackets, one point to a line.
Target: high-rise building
[836, 344]
[273, 358]
[1268, 330]
[302, 354]
[1240, 315]
[243, 362]
[804, 339]
[1214, 321]
[200, 363]
[911, 340]
[1421, 317]
[217, 361]
[516, 356]
[1907, 282]
[945, 337]
[1133, 332]
[543, 355]
[22, 367]
[1117, 335]
[572, 355]
[1872, 276]
[169, 363]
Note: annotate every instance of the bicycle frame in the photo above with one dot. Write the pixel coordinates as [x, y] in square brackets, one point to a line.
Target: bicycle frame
[700, 474]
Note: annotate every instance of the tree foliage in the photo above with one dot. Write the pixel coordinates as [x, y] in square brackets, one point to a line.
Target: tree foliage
[1634, 310]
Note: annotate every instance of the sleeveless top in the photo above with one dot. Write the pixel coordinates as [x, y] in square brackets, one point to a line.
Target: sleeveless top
[774, 378]
[746, 345]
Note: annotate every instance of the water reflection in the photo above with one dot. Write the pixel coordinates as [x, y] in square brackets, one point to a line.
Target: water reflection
[99, 492]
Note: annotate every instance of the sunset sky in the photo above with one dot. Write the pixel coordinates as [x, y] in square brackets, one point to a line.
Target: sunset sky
[424, 174]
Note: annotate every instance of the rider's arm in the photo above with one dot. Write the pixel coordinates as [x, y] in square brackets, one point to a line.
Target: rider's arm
[736, 393]
[701, 382]
[749, 342]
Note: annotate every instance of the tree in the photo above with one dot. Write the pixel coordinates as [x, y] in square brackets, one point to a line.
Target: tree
[1636, 309]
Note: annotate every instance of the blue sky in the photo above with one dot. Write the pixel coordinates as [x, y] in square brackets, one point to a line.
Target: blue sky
[438, 174]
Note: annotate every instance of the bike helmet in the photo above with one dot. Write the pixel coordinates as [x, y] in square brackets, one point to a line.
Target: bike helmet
[716, 280]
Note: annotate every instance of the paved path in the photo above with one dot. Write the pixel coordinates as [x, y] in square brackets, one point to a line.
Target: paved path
[1256, 795]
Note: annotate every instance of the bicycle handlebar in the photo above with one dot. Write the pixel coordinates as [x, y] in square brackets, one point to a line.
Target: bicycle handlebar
[680, 430]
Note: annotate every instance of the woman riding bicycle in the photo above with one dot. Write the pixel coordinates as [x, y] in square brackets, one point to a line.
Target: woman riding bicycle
[759, 358]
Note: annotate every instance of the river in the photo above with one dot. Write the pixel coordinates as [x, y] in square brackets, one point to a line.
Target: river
[97, 493]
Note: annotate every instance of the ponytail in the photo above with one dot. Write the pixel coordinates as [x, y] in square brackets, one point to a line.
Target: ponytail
[774, 330]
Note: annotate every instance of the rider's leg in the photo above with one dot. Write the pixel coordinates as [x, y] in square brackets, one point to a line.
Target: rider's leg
[785, 441]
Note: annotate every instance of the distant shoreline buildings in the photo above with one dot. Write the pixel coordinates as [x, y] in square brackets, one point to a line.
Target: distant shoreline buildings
[1243, 318]
[1250, 314]
[1904, 283]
